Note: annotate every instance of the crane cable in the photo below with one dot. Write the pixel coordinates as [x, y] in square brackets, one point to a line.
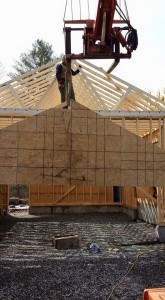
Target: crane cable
[71, 9]
[66, 3]
[88, 9]
[132, 37]
[122, 15]
[80, 8]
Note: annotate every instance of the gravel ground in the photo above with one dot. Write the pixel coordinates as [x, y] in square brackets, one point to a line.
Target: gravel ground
[129, 261]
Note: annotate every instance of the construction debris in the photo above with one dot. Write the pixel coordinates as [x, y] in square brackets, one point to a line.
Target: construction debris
[66, 242]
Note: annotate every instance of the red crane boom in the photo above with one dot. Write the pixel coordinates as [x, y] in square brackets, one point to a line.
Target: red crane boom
[101, 39]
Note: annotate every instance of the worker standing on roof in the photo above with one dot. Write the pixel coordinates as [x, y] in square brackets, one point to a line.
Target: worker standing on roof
[60, 75]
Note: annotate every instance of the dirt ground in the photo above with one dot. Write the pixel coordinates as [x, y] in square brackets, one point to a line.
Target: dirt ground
[130, 258]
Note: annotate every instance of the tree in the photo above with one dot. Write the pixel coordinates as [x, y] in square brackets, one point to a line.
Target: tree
[19, 191]
[40, 54]
[161, 95]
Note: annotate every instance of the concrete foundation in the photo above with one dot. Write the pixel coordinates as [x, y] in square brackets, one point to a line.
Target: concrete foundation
[161, 233]
[82, 209]
[131, 212]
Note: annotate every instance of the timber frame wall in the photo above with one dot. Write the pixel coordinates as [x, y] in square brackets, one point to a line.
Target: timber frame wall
[63, 195]
[4, 198]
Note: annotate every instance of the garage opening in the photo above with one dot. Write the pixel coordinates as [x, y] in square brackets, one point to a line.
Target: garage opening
[18, 198]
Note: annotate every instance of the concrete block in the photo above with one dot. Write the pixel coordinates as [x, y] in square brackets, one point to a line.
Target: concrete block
[40, 210]
[57, 210]
[131, 212]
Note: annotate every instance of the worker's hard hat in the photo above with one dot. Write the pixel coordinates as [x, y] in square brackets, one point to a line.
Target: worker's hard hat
[63, 58]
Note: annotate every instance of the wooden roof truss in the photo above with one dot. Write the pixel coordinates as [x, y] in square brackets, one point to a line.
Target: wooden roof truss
[37, 90]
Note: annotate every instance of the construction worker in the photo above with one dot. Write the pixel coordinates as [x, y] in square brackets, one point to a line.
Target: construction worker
[60, 75]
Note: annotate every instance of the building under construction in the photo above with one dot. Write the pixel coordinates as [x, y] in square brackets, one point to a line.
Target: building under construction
[106, 150]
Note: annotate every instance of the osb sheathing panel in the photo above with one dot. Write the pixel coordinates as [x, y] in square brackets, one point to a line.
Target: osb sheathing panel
[77, 146]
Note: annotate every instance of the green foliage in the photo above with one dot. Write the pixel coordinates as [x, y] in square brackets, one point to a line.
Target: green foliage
[161, 95]
[40, 54]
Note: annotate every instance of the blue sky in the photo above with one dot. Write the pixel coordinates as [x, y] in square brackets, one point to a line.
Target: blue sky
[22, 22]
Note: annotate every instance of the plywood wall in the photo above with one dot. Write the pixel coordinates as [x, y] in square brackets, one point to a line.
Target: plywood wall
[77, 147]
